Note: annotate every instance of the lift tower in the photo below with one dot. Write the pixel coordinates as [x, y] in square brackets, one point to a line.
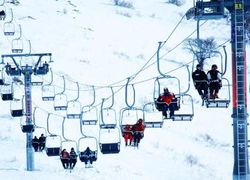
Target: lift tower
[214, 9]
[22, 65]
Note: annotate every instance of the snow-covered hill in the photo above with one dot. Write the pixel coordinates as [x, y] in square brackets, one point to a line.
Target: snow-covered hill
[96, 43]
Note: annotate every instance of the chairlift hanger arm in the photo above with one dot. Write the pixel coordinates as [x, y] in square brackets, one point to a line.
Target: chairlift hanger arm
[126, 94]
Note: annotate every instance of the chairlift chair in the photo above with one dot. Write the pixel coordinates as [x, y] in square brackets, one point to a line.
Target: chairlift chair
[89, 115]
[42, 69]
[129, 116]
[186, 112]
[60, 102]
[108, 118]
[74, 110]
[74, 107]
[26, 128]
[16, 107]
[17, 43]
[109, 140]
[53, 145]
[9, 26]
[83, 143]
[151, 116]
[7, 92]
[48, 90]
[37, 80]
[205, 10]
[225, 97]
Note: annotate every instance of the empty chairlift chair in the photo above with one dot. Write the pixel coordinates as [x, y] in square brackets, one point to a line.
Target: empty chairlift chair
[26, 127]
[61, 100]
[53, 143]
[74, 107]
[48, 90]
[109, 140]
[17, 43]
[7, 92]
[16, 107]
[9, 26]
[151, 116]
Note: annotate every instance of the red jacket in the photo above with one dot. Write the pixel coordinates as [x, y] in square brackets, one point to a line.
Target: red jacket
[139, 126]
[167, 98]
[64, 155]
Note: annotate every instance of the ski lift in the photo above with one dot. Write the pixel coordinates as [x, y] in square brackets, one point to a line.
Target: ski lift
[74, 106]
[60, 100]
[225, 97]
[151, 116]
[26, 127]
[205, 10]
[186, 112]
[109, 140]
[2, 10]
[109, 133]
[53, 142]
[83, 144]
[17, 43]
[130, 114]
[12, 70]
[86, 142]
[16, 107]
[7, 92]
[67, 143]
[89, 114]
[48, 90]
[39, 130]
[182, 114]
[9, 26]
[157, 92]
[37, 80]
[41, 68]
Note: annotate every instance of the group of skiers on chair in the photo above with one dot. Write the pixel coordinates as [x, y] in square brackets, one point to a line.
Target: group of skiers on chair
[133, 133]
[211, 81]
[39, 144]
[69, 159]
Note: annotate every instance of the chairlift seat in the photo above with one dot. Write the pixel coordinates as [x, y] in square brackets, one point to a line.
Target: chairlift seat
[53, 151]
[16, 50]
[182, 117]
[154, 124]
[36, 83]
[217, 103]
[9, 33]
[14, 72]
[7, 97]
[110, 148]
[41, 70]
[107, 126]
[1, 82]
[28, 128]
[89, 122]
[73, 116]
[17, 113]
[60, 108]
[48, 98]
